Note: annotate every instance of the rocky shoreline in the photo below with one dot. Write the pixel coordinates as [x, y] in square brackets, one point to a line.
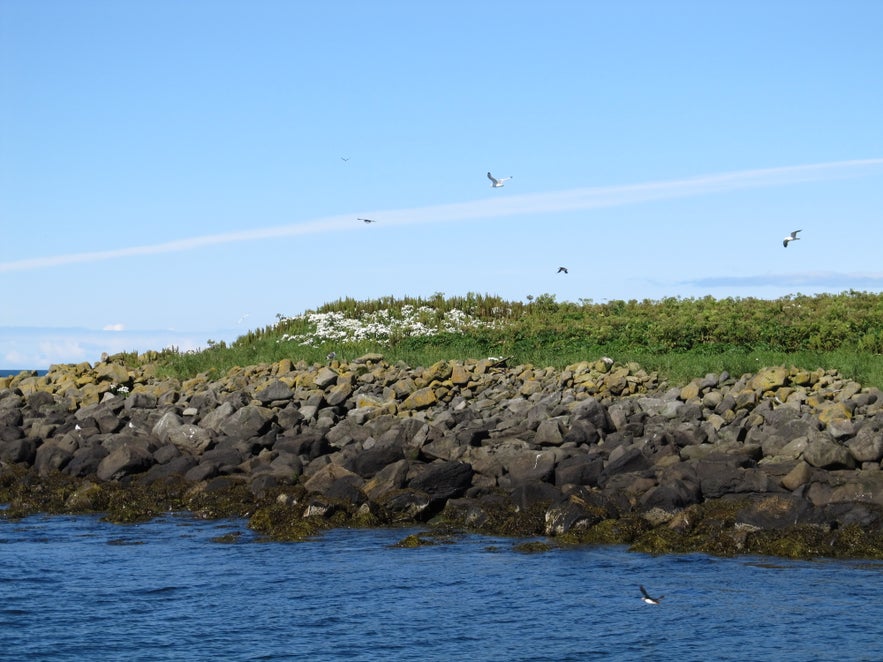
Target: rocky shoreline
[784, 461]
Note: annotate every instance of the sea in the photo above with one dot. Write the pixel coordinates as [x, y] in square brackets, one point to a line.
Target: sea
[12, 373]
[183, 588]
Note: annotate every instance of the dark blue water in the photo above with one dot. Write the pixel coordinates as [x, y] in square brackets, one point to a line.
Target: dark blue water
[13, 373]
[75, 588]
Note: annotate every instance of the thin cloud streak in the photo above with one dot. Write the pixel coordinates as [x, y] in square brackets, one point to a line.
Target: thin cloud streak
[531, 203]
[805, 279]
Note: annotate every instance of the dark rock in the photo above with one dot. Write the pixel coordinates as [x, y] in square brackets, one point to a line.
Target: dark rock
[573, 514]
[531, 466]
[202, 471]
[276, 391]
[140, 400]
[594, 412]
[719, 475]
[867, 445]
[406, 505]
[346, 489]
[826, 453]
[40, 399]
[86, 460]
[548, 432]
[626, 459]
[689, 434]
[584, 469]
[123, 461]
[226, 457]
[18, 449]
[367, 463]
[534, 494]
[310, 443]
[672, 496]
[188, 437]
[246, 422]
[390, 478]
[582, 431]
[176, 467]
[10, 433]
[49, 457]
[778, 511]
[443, 480]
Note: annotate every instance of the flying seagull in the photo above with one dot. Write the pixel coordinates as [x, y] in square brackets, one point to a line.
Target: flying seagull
[563, 269]
[791, 237]
[366, 220]
[344, 158]
[648, 599]
[497, 183]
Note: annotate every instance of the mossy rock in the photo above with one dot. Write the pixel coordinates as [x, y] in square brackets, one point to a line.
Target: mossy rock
[415, 540]
[284, 523]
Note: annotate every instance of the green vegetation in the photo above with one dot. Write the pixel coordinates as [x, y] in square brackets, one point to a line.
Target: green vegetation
[679, 338]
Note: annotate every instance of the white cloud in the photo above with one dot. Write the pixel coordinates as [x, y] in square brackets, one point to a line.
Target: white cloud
[113, 327]
[38, 348]
[810, 279]
[496, 207]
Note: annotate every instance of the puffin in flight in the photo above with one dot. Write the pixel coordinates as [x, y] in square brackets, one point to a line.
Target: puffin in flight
[646, 597]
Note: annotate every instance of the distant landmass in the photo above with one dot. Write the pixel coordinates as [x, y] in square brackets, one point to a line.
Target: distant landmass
[8, 373]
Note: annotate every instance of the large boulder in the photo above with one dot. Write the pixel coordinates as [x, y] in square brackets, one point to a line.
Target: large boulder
[123, 461]
[443, 480]
[867, 445]
[825, 453]
[246, 422]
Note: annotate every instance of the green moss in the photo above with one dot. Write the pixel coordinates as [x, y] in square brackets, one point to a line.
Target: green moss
[414, 540]
[284, 523]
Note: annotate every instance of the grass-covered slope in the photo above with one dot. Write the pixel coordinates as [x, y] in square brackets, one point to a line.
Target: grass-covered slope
[681, 338]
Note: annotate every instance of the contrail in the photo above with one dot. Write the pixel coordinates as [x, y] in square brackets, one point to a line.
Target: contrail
[497, 207]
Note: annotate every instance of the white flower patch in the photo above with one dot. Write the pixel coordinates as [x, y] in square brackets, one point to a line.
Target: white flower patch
[382, 325]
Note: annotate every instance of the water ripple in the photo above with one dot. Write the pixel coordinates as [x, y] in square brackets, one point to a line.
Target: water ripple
[168, 592]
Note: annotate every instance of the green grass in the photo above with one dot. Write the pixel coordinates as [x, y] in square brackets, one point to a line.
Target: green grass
[679, 338]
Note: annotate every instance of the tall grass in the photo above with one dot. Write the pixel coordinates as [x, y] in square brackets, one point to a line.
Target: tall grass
[680, 338]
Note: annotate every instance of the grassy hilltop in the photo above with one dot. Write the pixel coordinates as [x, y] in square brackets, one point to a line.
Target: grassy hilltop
[680, 338]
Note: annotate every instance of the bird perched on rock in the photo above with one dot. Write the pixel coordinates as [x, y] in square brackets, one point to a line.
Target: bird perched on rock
[563, 270]
[646, 597]
[497, 183]
[791, 237]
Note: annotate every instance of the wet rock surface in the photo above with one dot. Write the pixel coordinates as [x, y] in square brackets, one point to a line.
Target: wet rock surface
[783, 461]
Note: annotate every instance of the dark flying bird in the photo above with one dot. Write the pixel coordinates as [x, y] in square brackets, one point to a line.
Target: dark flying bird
[648, 599]
[344, 158]
[791, 237]
[563, 269]
[366, 220]
[497, 183]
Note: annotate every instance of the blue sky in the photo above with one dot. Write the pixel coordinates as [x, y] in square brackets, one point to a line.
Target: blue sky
[172, 172]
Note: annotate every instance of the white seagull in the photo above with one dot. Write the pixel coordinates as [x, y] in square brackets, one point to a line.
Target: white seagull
[497, 183]
[646, 598]
[791, 237]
